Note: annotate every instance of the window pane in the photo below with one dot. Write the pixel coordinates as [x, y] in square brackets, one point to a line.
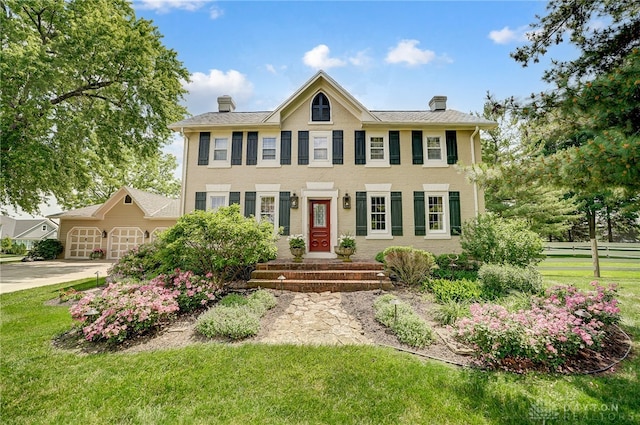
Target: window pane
[320, 109]
[378, 213]
[320, 148]
[377, 148]
[217, 202]
[319, 215]
[433, 148]
[220, 149]
[436, 213]
[269, 148]
[268, 209]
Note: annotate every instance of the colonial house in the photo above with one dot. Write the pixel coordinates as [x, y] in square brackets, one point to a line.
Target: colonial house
[27, 231]
[130, 217]
[321, 164]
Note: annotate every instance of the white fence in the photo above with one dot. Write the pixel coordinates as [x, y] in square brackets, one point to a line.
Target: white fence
[605, 249]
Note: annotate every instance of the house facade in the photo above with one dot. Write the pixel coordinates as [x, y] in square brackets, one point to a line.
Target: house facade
[130, 217]
[323, 165]
[27, 231]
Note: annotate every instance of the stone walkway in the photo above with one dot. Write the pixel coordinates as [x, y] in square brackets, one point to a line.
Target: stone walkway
[316, 318]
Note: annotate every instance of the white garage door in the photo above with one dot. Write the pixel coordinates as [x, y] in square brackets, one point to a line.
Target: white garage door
[81, 241]
[123, 239]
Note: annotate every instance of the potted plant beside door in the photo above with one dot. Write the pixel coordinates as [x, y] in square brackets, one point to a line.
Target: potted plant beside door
[346, 246]
[297, 246]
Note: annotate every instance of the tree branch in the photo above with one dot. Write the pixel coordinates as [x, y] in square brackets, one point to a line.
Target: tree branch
[81, 91]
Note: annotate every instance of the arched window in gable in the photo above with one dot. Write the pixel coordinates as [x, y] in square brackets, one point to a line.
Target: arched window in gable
[320, 108]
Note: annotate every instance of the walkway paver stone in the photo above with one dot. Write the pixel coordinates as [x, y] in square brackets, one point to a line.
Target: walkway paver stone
[316, 318]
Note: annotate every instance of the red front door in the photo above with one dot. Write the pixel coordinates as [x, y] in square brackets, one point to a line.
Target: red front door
[319, 226]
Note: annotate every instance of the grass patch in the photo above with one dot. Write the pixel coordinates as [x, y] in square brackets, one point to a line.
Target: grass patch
[285, 384]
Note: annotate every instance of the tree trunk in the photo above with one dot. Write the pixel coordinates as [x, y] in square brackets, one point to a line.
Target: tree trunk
[591, 216]
[609, 232]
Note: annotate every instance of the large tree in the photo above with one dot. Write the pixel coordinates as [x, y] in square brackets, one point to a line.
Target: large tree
[80, 78]
[153, 174]
[589, 123]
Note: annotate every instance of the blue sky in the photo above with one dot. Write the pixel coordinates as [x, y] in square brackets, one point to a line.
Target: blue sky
[389, 55]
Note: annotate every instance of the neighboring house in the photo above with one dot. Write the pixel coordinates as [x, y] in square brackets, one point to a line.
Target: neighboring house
[27, 231]
[322, 164]
[129, 218]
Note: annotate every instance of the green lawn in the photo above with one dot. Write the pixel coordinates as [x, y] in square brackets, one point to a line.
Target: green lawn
[265, 384]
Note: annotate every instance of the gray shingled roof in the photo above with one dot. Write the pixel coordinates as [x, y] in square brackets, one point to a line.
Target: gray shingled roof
[153, 205]
[223, 118]
[449, 116]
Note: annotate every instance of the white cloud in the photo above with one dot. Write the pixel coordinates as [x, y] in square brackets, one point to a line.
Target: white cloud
[204, 89]
[506, 35]
[165, 6]
[318, 58]
[361, 59]
[407, 51]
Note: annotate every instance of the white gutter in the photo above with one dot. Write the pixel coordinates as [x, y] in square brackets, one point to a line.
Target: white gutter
[185, 156]
[473, 161]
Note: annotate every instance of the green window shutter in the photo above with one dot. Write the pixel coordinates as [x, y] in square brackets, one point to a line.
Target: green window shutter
[203, 148]
[285, 147]
[252, 148]
[361, 213]
[284, 215]
[234, 198]
[249, 204]
[361, 147]
[394, 147]
[303, 147]
[236, 148]
[419, 217]
[201, 201]
[454, 213]
[338, 147]
[452, 146]
[396, 213]
[416, 147]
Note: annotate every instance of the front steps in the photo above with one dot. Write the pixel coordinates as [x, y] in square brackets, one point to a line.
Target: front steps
[320, 276]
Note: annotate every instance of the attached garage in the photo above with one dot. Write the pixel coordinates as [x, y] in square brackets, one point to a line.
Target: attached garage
[128, 219]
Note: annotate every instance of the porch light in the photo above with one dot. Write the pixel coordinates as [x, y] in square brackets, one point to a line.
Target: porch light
[346, 202]
[104, 233]
[294, 201]
[146, 234]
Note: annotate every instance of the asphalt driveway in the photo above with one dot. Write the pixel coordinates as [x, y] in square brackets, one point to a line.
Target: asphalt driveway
[17, 276]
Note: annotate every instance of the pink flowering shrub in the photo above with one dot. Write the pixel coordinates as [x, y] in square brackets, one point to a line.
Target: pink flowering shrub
[556, 326]
[124, 310]
[193, 291]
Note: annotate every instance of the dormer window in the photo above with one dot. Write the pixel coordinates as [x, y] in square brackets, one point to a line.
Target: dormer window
[127, 199]
[320, 108]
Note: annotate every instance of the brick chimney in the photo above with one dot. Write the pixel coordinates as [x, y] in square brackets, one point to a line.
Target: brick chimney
[226, 104]
[438, 103]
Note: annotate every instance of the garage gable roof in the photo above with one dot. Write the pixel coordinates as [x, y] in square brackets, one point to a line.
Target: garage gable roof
[152, 205]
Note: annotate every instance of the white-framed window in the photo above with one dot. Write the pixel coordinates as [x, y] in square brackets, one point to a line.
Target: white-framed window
[321, 109]
[378, 211]
[217, 196]
[377, 150]
[217, 201]
[436, 197]
[268, 151]
[220, 149]
[267, 204]
[268, 148]
[320, 149]
[268, 209]
[434, 151]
